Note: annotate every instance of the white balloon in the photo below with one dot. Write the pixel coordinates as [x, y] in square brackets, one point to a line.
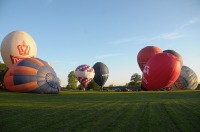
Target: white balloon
[84, 74]
[16, 46]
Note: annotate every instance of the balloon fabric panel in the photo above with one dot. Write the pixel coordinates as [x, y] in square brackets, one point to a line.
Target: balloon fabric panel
[43, 71]
[22, 79]
[27, 87]
[23, 70]
[44, 62]
[184, 82]
[29, 63]
[8, 80]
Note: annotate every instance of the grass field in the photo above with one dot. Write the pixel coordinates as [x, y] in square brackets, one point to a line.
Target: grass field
[100, 111]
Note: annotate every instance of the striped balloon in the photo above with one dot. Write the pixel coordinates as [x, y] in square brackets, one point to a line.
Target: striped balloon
[84, 74]
[32, 75]
[187, 80]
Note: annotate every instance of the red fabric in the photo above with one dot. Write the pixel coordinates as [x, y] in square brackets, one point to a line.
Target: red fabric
[145, 54]
[161, 71]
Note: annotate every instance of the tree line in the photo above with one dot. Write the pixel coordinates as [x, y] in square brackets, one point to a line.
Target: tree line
[73, 82]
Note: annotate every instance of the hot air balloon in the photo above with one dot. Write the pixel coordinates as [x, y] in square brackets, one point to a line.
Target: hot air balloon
[187, 80]
[161, 70]
[32, 75]
[16, 46]
[101, 73]
[175, 54]
[84, 74]
[145, 54]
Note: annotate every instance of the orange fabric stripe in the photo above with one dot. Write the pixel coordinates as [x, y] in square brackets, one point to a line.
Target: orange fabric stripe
[23, 70]
[46, 63]
[35, 61]
[10, 71]
[27, 87]
[8, 81]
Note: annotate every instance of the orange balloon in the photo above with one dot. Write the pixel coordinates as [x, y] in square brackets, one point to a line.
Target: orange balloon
[32, 75]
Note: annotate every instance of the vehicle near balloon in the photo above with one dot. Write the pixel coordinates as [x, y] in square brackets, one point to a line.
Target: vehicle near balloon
[175, 54]
[16, 46]
[145, 54]
[84, 74]
[101, 73]
[32, 75]
[187, 80]
[161, 70]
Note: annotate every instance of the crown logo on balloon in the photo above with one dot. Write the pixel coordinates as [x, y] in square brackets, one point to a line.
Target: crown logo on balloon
[23, 49]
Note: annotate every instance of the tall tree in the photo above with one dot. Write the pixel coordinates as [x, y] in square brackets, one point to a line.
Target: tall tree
[72, 81]
[135, 80]
[3, 70]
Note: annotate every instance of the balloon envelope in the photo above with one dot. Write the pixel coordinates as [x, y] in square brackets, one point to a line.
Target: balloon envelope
[161, 70]
[175, 54]
[16, 46]
[84, 74]
[101, 73]
[145, 54]
[32, 75]
[187, 80]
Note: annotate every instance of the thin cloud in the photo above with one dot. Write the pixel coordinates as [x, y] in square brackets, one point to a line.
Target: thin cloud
[164, 36]
[138, 40]
[168, 36]
[122, 41]
[191, 22]
[177, 34]
[172, 35]
[107, 56]
[127, 41]
[63, 62]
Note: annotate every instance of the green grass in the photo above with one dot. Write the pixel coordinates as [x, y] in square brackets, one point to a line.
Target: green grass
[100, 111]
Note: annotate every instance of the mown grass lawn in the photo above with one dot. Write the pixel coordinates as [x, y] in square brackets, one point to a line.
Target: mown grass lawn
[100, 111]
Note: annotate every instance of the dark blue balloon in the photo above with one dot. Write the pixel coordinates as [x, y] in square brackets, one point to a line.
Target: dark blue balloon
[101, 73]
[175, 54]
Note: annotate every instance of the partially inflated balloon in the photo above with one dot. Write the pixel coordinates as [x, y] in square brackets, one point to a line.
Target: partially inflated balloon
[101, 73]
[187, 80]
[32, 75]
[16, 46]
[84, 74]
[161, 70]
[145, 54]
[175, 54]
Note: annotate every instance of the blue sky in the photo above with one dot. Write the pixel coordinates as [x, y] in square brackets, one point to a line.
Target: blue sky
[69, 33]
